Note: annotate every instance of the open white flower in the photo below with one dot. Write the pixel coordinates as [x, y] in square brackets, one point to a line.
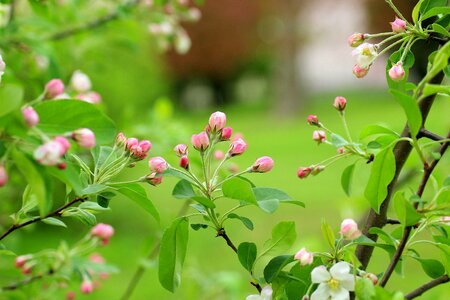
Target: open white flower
[365, 54]
[334, 284]
[266, 294]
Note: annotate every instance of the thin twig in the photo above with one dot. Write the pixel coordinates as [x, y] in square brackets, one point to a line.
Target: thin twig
[55, 213]
[427, 286]
[428, 134]
[406, 232]
[401, 153]
[18, 284]
[92, 24]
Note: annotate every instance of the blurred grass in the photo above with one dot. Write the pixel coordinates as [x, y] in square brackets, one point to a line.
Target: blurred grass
[212, 270]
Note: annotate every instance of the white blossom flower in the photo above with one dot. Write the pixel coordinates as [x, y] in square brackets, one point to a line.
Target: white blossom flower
[266, 294]
[334, 284]
[80, 82]
[365, 54]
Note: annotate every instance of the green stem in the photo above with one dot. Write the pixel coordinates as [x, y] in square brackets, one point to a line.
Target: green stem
[395, 9]
[344, 123]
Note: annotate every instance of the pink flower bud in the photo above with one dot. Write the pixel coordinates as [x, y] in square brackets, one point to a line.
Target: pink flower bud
[398, 25]
[184, 162]
[26, 270]
[84, 137]
[131, 142]
[120, 139]
[340, 103]
[86, 287]
[3, 176]
[319, 136]
[349, 229]
[360, 72]
[21, 260]
[303, 172]
[90, 97]
[372, 277]
[54, 88]
[305, 257]
[157, 164]
[181, 149]
[145, 145]
[49, 154]
[263, 164]
[200, 141]
[356, 39]
[226, 134]
[317, 169]
[96, 258]
[445, 220]
[219, 155]
[65, 144]
[340, 150]
[30, 116]
[154, 179]
[217, 121]
[2, 67]
[80, 82]
[237, 147]
[313, 120]
[70, 295]
[397, 73]
[103, 231]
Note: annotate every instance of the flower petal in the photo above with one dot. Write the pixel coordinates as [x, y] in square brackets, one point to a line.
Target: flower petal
[266, 293]
[321, 293]
[348, 282]
[340, 270]
[320, 274]
[339, 294]
[254, 297]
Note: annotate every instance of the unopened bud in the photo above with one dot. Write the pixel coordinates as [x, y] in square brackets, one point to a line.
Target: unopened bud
[356, 39]
[340, 103]
[372, 277]
[360, 72]
[154, 179]
[398, 25]
[200, 141]
[120, 140]
[313, 120]
[319, 136]
[181, 150]
[303, 172]
[157, 164]
[397, 72]
[90, 97]
[3, 176]
[217, 121]
[130, 143]
[86, 287]
[80, 82]
[237, 147]
[305, 257]
[340, 150]
[262, 165]
[84, 137]
[54, 88]
[349, 229]
[30, 116]
[226, 134]
[219, 155]
[317, 169]
[184, 162]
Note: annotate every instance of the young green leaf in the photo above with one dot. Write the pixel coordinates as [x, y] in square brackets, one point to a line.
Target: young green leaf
[172, 254]
[54, 222]
[11, 96]
[239, 189]
[364, 289]
[269, 198]
[328, 234]
[406, 213]
[183, 190]
[411, 109]
[432, 267]
[338, 141]
[435, 11]
[383, 171]
[247, 255]
[275, 266]
[94, 189]
[375, 130]
[346, 178]
[204, 201]
[283, 236]
[246, 221]
[138, 194]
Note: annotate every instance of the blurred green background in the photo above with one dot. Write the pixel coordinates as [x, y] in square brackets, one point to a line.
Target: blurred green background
[165, 99]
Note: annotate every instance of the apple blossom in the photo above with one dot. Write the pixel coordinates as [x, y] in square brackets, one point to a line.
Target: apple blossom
[181, 149]
[237, 147]
[84, 137]
[80, 82]
[157, 164]
[313, 120]
[131, 142]
[65, 144]
[305, 257]
[103, 231]
[262, 165]
[21, 260]
[49, 154]
[335, 284]
[365, 54]
[200, 141]
[217, 121]
[397, 72]
[120, 139]
[340, 103]
[54, 88]
[226, 134]
[266, 294]
[30, 116]
[360, 72]
[317, 169]
[398, 25]
[319, 136]
[349, 229]
[356, 39]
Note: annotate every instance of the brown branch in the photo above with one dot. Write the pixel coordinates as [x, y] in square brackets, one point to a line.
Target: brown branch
[93, 24]
[401, 153]
[427, 286]
[16, 285]
[55, 213]
[406, 232]
[428, 134]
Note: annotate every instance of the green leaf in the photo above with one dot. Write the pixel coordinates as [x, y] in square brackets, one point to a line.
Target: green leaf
[86, 217]
[439, 29]
[364, 289]
[94, 189]
[138, 194]
[296, 289]
[204, 201]
[247, 255]
[275, 266]
[11, 96]
[328, 234]
[431, 89]
[70, 176]
[426, 5]
[54, 222]
[283, 236]
[406, 213]
[375, 130]
[77, 114]
[268, 198]
[432, 267]
[338, 141]
[389, 239]
[246, 221]
[92, 207]
[383, 171]
[183, 190]
[411, 109]
[239, 189]
[172, 254]
[435, 11]
[346, 178]
[415, 12]
[177, 173]
[32, 174]
[197, 226]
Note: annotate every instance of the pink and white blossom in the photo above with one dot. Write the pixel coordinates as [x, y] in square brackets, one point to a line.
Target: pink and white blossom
[305, 257]
[398, 25]
[349, 229]
[340, 103]
[54, 88]
[313, 120]
[356, 39]
[237, 147]
[200, 141]
[80, 82]
[154, 179]
[90, 97]
[319, 136]
[49, 154]
[30, 116]
[217, 121]
[226, 134]
[360, 72]
[266, 294]
[397, 72]
[181, 150]
[84, 137]
[86, 287]
[157, 164]
[263, 164]
[365, 54]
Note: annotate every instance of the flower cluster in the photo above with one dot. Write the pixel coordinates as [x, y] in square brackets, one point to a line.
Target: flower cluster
[366, 53]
